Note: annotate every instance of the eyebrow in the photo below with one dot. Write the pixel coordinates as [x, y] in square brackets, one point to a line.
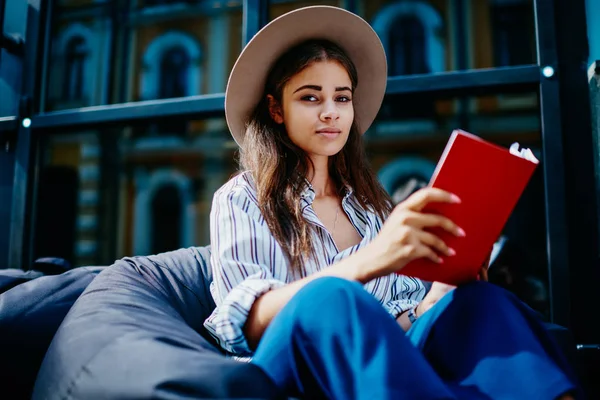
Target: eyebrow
[319, 88]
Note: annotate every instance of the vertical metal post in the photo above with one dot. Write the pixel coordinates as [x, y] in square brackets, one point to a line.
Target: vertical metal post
[578, 148]
[125, 41]
[2, 9]
[571, 211]
[594, 82]
[256, 15]
[45, 43]
[553, 166]
[590, 353]
[6, 161]
[461, 40]
[20, 217]
[118, 13]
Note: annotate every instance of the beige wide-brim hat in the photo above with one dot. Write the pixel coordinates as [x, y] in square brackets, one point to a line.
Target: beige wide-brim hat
[349, 31]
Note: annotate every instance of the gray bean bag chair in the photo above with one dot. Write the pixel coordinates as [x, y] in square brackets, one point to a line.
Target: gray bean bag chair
[32, 306]
[136, 332]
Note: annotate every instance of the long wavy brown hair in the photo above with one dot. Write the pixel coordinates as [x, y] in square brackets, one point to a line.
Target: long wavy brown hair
[280, 168]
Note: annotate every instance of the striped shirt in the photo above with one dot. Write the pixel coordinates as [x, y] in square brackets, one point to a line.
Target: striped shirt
[247, 261]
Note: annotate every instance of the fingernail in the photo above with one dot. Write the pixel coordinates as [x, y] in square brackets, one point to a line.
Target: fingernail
[460, 232]
[455, 199]
[451, 252]
[440, 260]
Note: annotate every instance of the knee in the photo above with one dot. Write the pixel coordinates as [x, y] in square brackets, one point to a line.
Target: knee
[328, 293]
[483, 295]
[329, 284]
[324, 302]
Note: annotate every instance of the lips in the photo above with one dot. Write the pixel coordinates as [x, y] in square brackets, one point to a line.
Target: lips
[330, 131]
[330, 134]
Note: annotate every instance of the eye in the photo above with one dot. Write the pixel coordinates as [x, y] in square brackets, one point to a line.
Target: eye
[309, 97]
[344, 99]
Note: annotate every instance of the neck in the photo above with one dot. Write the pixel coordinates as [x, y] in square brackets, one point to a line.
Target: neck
[319, 177]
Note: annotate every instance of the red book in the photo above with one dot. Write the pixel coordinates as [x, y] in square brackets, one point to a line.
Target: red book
[489, 180]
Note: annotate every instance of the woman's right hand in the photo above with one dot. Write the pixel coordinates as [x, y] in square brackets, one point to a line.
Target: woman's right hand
[404, 236]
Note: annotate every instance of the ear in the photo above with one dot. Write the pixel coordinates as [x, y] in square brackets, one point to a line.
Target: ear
[275, 109]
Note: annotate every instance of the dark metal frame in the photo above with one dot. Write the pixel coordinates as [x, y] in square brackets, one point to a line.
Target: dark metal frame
[554, 171]
[561, 146]
[581, 214]
[445, 84]
[131, 112]
[23, 185]
[256, 15]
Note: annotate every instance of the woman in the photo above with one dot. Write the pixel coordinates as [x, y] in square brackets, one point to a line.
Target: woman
[305, 270]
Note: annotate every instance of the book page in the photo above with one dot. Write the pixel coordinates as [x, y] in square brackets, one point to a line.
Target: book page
[523, 153]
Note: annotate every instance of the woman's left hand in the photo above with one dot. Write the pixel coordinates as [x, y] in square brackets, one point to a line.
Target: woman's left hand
[439, 290]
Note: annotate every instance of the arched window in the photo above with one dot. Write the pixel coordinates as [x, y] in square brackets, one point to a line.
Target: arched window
[173, 82]
[75, 57]
[164, 214]
[173, 76]
[407, 47]
[411, 33]
[166, 220]
[171, 67]
[77, 73]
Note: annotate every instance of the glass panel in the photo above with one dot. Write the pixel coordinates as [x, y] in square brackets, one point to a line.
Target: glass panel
[431, 36]
[105, 194]
[147, 188]
[119, 51]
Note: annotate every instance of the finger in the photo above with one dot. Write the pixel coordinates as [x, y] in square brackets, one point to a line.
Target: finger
[424, 220]
[420, 250]
[427, 252]
[418, 200]
[483, 274]
[435, 243]
[486, 263]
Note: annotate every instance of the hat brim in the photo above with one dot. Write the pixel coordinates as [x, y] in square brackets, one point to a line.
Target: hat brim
[349, 31]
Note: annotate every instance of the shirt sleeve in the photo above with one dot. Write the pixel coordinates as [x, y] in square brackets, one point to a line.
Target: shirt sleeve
[406, 293]
[397, 307]
[244, 256]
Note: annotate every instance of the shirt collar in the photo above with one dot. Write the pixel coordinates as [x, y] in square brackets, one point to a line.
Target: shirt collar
[308, 192]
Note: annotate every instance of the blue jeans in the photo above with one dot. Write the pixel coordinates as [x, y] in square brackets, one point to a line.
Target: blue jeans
[334, 340]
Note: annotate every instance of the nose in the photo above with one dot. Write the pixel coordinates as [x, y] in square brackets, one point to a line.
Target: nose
[330, 112]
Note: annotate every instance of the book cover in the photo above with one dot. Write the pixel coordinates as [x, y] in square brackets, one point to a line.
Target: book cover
[489, 180]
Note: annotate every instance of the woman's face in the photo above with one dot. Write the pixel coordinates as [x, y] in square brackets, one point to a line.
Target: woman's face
[317, 109]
